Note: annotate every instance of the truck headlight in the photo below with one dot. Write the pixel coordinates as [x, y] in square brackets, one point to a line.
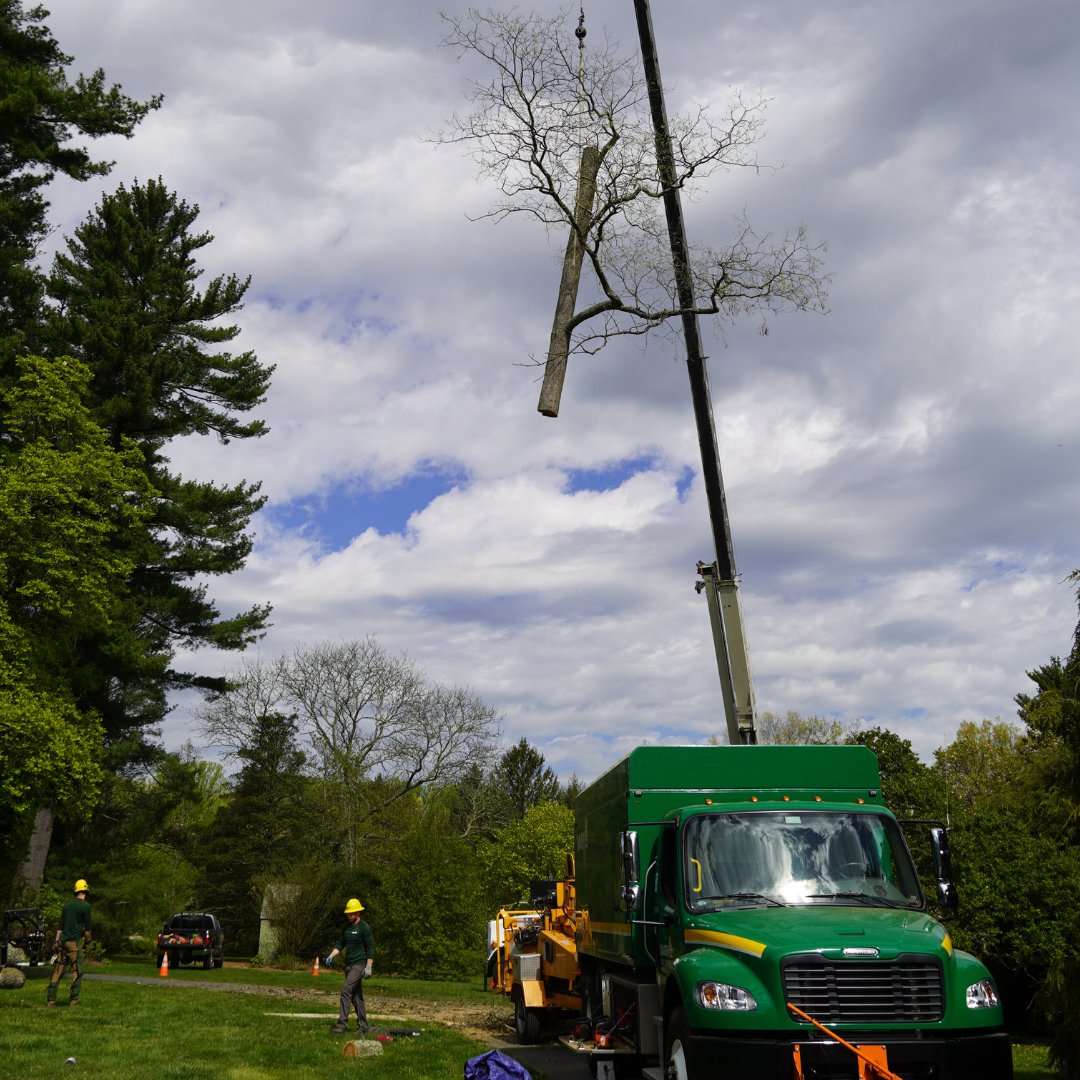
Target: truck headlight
[982, 995]
[713, 995]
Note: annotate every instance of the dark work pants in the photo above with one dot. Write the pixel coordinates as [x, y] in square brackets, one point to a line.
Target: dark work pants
[352, 997]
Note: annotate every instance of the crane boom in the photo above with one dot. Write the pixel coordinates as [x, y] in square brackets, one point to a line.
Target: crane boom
[717, 579]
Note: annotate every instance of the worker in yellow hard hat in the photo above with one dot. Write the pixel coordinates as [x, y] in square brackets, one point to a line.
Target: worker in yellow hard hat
[74, 930]
[358, 945]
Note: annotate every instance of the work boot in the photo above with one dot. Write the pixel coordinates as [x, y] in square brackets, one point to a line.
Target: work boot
[339, 1029]
[73, 1002]
[50, 1004]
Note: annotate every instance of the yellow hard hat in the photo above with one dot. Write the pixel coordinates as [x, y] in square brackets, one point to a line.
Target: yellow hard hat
[353, 905]
[81, 886]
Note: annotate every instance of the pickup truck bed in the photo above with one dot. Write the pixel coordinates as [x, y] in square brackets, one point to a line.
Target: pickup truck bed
[190, 937]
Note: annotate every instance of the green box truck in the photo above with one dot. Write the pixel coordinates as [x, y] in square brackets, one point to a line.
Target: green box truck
[716, 886]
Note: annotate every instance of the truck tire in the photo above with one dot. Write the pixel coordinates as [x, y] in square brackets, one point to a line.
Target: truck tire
[161, 959]
[677, 1048]
[208, 961]
[526, 1022]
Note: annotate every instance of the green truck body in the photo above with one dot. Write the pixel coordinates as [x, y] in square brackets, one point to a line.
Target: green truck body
[716, 885]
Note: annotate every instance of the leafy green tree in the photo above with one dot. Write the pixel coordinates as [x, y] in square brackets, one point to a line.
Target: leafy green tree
[910, 787]
[42, 113]
[429, 922]
[524, 779]
[67, 503]
[1052, 719]
[1008, 864]
[129, 308]
[529, 848]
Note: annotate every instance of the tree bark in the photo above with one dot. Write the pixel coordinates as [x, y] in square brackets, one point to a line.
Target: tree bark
[559, 347]
[31, 873]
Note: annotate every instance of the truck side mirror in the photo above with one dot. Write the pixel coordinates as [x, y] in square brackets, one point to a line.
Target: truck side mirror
[631, 860]
[947, 896]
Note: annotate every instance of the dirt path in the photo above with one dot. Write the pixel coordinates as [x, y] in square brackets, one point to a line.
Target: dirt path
[478, 1020]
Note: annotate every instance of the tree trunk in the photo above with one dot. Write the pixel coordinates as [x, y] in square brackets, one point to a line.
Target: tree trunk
[559, 347]
[31, 873]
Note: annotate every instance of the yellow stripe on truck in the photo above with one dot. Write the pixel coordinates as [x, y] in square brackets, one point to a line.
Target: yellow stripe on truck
[725, 941]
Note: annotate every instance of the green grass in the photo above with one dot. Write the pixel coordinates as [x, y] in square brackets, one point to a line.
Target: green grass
[329, 980]
[1030, 1062]
[129, 1031]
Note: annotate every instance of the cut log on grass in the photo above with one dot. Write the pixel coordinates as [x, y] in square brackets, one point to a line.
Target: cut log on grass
[357, 1048]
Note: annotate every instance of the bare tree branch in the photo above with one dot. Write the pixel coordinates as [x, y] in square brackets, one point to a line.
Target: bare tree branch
[527, 128]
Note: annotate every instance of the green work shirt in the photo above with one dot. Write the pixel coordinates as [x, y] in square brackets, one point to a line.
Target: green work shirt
[74, 919]
[356, 943]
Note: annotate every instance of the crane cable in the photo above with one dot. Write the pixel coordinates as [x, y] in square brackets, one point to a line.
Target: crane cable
[580, 33]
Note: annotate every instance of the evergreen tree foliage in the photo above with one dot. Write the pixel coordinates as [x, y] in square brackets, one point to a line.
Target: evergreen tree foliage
[263, 830]
[128, 307]
[524, 779]
[41, 113]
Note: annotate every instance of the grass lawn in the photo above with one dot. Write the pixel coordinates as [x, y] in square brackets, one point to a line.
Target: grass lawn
[329, 979]
[128, 1031]
[1030, 1062]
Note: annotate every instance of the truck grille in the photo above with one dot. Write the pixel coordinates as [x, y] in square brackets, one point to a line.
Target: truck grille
[906, 990]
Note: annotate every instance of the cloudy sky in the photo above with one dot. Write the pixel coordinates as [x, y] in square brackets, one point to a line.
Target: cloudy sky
[903, 473]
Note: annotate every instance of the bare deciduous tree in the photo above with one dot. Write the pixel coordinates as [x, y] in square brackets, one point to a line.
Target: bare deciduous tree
[529, 130]
[377, 727]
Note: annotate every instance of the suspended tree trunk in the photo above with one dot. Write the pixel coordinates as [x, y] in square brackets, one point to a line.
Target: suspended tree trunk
[559, 347]
[31, 873]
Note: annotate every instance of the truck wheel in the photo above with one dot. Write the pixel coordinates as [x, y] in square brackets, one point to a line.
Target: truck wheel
[161, 959]
[526, 1022]
[220, 961]
[677, 1048]
[208, 961]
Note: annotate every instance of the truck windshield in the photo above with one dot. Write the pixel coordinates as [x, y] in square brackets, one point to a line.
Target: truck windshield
[801, 857]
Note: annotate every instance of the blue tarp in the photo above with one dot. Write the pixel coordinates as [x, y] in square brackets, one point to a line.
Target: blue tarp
[495, 1065]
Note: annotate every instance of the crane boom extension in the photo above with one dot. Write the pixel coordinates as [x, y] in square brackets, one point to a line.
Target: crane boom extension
[718, 580]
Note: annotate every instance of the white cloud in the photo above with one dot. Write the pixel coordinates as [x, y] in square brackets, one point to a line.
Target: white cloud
[901, 473]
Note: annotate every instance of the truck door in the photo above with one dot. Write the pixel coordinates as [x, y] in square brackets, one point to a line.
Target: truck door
[667, 942]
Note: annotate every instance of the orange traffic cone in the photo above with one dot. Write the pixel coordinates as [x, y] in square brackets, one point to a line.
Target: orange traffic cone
[315, 969]
[163, 971]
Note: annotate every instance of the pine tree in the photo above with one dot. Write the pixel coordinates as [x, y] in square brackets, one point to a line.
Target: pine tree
[523, 776]
[128, 307]
[40, 115]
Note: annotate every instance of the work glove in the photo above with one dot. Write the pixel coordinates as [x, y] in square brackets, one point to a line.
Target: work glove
[330, 961]
[367, 971]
